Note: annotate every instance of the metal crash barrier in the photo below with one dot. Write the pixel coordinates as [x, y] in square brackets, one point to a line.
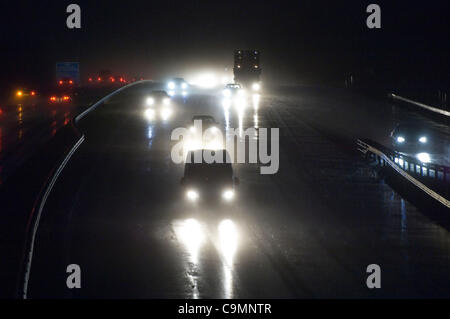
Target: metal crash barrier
[408, 167]
[421, 105]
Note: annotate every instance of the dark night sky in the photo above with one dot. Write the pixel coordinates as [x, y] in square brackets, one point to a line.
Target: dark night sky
[299, 40]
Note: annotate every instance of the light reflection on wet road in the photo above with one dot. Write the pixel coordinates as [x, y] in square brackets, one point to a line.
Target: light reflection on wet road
[308, 231]
[25, 127]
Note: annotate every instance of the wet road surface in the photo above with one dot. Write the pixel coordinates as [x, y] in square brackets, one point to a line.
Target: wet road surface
[309, 231]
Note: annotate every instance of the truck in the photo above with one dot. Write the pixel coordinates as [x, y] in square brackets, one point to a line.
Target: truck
[247, 68]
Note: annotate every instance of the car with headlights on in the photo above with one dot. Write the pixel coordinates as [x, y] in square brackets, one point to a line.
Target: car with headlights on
[209, 178]
[205, 133]
[158, 105]
[410, 136]
[178, 87]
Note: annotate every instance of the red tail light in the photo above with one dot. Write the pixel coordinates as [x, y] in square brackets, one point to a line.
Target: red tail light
[60, 82]
[66, 98]
[53, 98]
[99, 79]
[71, 82]
[33, 93]
[90, 80]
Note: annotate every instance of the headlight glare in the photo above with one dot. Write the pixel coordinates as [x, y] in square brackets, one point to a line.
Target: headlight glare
[228, 194]
[424, 157]
[192, 195]
[423, 139]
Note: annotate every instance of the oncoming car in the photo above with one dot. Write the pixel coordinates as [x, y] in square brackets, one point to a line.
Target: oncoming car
[233, 89]
[209, 181]
[205, 133]
[158, 105]
[410, 135]
[414, 140]
[177, 87]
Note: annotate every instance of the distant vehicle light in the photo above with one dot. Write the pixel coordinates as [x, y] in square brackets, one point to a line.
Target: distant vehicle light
[166, 113]
[166, 101]
[423, 139]
[150, 101]
[33, 93]
[171, 85]
[256, 66]
[70, 82]
[192, 195]
[184, 86]
[90, 79]
[60, 82]
[192, 129]
[238, 66]
[149, 114]
[184, 93]
[424, 157]
[19, 93]
[256, 86]
[171, 93]
[53, 98]
[400, 139]
[228, 195]
[66, 98]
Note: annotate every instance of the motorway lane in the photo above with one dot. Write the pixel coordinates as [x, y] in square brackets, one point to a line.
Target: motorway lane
[308, 231]
[26, 127]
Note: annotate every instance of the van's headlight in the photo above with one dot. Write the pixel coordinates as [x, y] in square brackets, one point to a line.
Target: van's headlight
[226, 92]
[184, 86]
[150, 101]
[192, 195]
[228, 194]
[423, 139]
[400, 139]
[171, 85]
[166, 101]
